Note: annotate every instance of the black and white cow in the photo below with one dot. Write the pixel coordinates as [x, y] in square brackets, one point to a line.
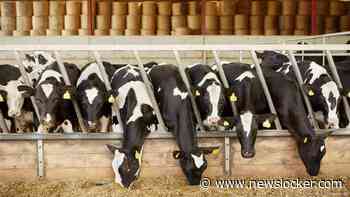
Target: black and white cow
[177, 113]
[286, 96]
[15, 107]
[92, 96]
[245, 90]
[323, 92]
[53, 98]
[209, 94]
[138, 118]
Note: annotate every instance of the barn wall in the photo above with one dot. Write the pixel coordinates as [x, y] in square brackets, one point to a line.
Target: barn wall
[90, 159]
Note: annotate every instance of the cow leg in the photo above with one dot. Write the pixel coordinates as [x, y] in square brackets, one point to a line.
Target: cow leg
[67, 126]
[104, 124]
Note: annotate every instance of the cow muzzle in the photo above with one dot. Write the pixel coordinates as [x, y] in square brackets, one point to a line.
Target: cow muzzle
[14, 113]
[213, 120]
[248, 154]
[92, 126]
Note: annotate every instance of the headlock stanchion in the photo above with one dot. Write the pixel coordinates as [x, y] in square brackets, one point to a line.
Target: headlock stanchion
[227, 147]
[301, 85]
[261, 77]
[115, 104]
[66, 79]
[337, 80]
[150, 92]
[189, 91]
[39, 143]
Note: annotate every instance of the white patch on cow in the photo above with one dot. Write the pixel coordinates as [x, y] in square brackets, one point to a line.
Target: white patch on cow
[141, 97]
[93, 68]
[214, 98]
[316, 71]
[161, 64]
[326, 90]
[252, 66]
[14, 99]
[50, 73]
[116, 163]
[284, 69]
[67, 126]
[91, 94]
[246, 74]
[47, 89]
[208, 76]
[104, 124]
[322, 148]
[116, 128]
[177, 92]
[131, 70]
[193, 65]
[198, 161]
[247, 119]
[159, 89]
[48, 117]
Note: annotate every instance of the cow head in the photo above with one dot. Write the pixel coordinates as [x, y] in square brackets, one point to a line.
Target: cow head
[35, 63]
[49, 96]
[272, 59]
[93, 100]
[210, 96]
[192, 164]
[13, 97]
[327, 99]
[126, 164]
[247, 125]
[311, 150]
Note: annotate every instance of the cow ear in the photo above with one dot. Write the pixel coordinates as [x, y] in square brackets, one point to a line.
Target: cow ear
[112, 147]
[177, 154]
[229, 122]
[345, 92]
[308, 90]
[3, 95]
[27, 90]
[215, 150]
[265, 119]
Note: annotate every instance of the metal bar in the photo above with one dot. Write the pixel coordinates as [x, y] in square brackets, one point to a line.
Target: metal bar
[188, 86]
[323, 52]
[3, 124]
[227, 149]
[66, 79]
[115, 105]
[39, 143]
[150, 92]
[265, 88]
[224, 80]
[337, 80]
[240, 56]
[153, 135]
[27, 81]
[178, 47]
[301, 84]
[320, 36]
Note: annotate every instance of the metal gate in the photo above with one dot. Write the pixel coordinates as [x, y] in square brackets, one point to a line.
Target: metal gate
[136, 49]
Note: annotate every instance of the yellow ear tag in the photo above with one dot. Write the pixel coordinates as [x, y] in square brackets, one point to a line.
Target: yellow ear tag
[66, 96]
[111, 99]
[305, 140]
[233, 97]
[1, 99]
[137, 155]
[266, 124]
[197, 93]
[348, 95]
[177, 155]
[226, 123]
[215, 151]
[310, 93]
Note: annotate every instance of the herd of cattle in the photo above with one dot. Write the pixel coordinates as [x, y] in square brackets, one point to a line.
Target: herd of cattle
[54, 101]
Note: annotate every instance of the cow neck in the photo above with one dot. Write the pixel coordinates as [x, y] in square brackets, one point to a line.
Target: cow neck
[134, 135]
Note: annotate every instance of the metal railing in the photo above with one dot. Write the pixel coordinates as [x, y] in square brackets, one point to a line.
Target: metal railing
[39, 137]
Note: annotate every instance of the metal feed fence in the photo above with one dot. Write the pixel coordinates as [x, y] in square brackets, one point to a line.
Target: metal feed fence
[136, 49]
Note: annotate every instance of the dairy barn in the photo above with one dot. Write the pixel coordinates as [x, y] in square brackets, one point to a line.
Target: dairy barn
[174, 98]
